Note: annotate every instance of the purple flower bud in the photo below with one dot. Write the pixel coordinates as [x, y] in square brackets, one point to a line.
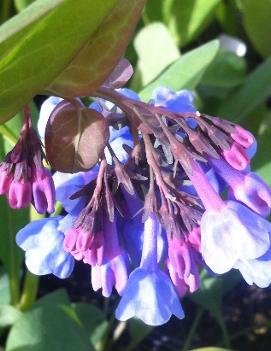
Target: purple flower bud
[254, 193]
[5, 181]
[247, 188]
[185, 285]
[243, 137]
[20, 194]
[108, 275]
[236, 157]
[23, 177]
[43, 191]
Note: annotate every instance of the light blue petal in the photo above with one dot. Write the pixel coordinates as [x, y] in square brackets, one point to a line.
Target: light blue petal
[117, 139]
[29, 236]
[231, 234]
[43, 243]
[149, 296]
[256, 271]
[67, 184]
[181, 101]
[45, 111]
[128, 93]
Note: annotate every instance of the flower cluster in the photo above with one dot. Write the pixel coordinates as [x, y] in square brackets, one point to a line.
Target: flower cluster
[23, 178]
[171, 194]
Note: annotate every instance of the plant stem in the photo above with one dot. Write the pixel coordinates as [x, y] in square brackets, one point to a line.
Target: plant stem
[29, 294]
[226, 337]
[193, 330]
[31, 281]
[5, 10]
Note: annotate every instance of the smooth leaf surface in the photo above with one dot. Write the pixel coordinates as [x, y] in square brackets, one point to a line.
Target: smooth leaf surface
[257, 24]
[186, 72]
[120, 75]
[138, 331]
[188, 18]
[254, 91]
[156, 10]
[57, 298]
[4, 288]
[87, 70]
[22, 4]
[156, 49]
[61, 39]
[10, 222]
[227, 70]
[261, 163]
[210, 349]
[8, 315]
[31, 37]
[94, 322]
[212, 290]
[75, 137]
[47, 328]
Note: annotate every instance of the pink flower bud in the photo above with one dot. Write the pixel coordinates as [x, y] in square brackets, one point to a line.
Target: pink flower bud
[5, 181]
[236, 157]
[43, 191]
[19, 195]
[243, 137]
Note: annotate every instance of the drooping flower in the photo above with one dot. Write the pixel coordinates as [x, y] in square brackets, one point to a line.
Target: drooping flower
[149, 294]
[176, 175]
[247, 188]
[23, 177]
[257, 271]
[42, 241]
[229, 230]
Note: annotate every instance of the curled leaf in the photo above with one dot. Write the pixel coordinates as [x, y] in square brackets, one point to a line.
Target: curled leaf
[75, 137]
[120, 75]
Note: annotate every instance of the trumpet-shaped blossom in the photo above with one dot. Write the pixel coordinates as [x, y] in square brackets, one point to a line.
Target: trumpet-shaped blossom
[42, 241]
[247, 188]
[149, 294]
[256, 271]
[231, 234]
[171, 191]
[114, 273]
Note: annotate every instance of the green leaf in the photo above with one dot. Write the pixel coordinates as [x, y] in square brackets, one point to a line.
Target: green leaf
[228, 15]
[186, 72]
[61, 39]
[210, 349]
[56, 298]
[138, 332]
[4, 287]
[253, 92]
[212, 290]
[22, 4]
[94, 322]
[188, 18]
[226, 70]
[262, 162]
[258, 25]
[8, 315]
[47, 328]
[11, 255]
[156, 49]
[156, 10]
